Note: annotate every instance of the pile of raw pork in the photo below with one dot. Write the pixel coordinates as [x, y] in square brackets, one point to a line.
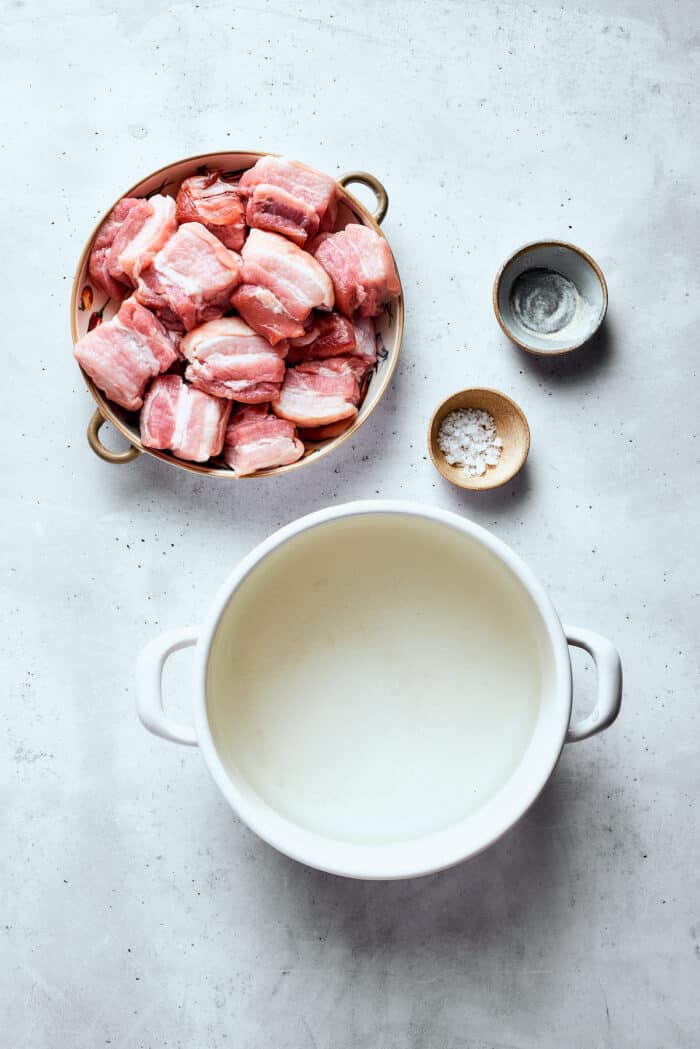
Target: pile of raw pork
[288, 365]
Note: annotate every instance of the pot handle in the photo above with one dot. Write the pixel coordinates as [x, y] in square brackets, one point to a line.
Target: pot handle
[93, 435]
[149, 676]
[609, 669]
[365, 179]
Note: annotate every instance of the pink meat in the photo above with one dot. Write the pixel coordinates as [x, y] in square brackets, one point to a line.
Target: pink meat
[330, 335]
[325, 433]
[314, 242]
[365, 340]
[256, 440]
[272, 208]
[263, 311]
[98, 267]
[310, 334]
[315, 189]
[189, 423]
[228, 359]
[317, 393]
[159, 412]
[362, 269]
[163, 344]
[146, 228]
[291, 274]
[191, 279]
[123, 354]
[215, 203]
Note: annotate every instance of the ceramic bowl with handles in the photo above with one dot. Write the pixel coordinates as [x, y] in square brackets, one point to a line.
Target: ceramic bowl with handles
[381, 689]
[89, 307]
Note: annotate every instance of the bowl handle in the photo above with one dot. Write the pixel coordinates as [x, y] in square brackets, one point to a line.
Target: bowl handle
[609, 668]
[149, 676]
[365, 179]
[93, 435]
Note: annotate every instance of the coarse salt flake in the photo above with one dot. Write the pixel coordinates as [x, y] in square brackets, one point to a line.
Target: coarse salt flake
[467, 437]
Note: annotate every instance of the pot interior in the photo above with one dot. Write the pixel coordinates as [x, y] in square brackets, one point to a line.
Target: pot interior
[378, 678]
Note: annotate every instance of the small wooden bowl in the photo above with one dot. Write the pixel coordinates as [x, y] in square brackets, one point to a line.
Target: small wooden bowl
[511, 426]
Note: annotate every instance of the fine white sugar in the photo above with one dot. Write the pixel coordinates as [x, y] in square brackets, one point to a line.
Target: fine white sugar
[468, 438]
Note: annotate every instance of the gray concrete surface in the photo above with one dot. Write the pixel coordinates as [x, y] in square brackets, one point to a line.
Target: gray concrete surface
[136, 910]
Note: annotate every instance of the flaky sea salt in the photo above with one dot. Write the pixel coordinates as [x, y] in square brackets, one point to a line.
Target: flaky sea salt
[467, 437]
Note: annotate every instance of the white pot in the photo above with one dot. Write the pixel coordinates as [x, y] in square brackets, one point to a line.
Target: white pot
[534, 634]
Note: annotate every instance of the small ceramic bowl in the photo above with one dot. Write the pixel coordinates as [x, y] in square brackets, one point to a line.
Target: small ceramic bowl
[550, 297]
[511, 427]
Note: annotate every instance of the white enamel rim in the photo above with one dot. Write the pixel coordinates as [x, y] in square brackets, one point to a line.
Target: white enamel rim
[430, 853]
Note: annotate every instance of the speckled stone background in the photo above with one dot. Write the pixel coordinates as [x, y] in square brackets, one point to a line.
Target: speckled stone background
[136, 910]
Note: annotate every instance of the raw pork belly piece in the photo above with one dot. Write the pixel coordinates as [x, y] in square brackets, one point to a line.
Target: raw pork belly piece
[102, 250]
[191, 279]
[264, 312]
[317, 393]
[272, 208]
[362, 269]
[303, 184]
[215, 203]
[298, 282]
[123, 354]
[330, 335]
[189, 423]
[228, 359]
[281, 285]
[256, 440]
[144, 231]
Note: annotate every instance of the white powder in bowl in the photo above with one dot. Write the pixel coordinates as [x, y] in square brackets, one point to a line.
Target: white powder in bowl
[468, 438]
